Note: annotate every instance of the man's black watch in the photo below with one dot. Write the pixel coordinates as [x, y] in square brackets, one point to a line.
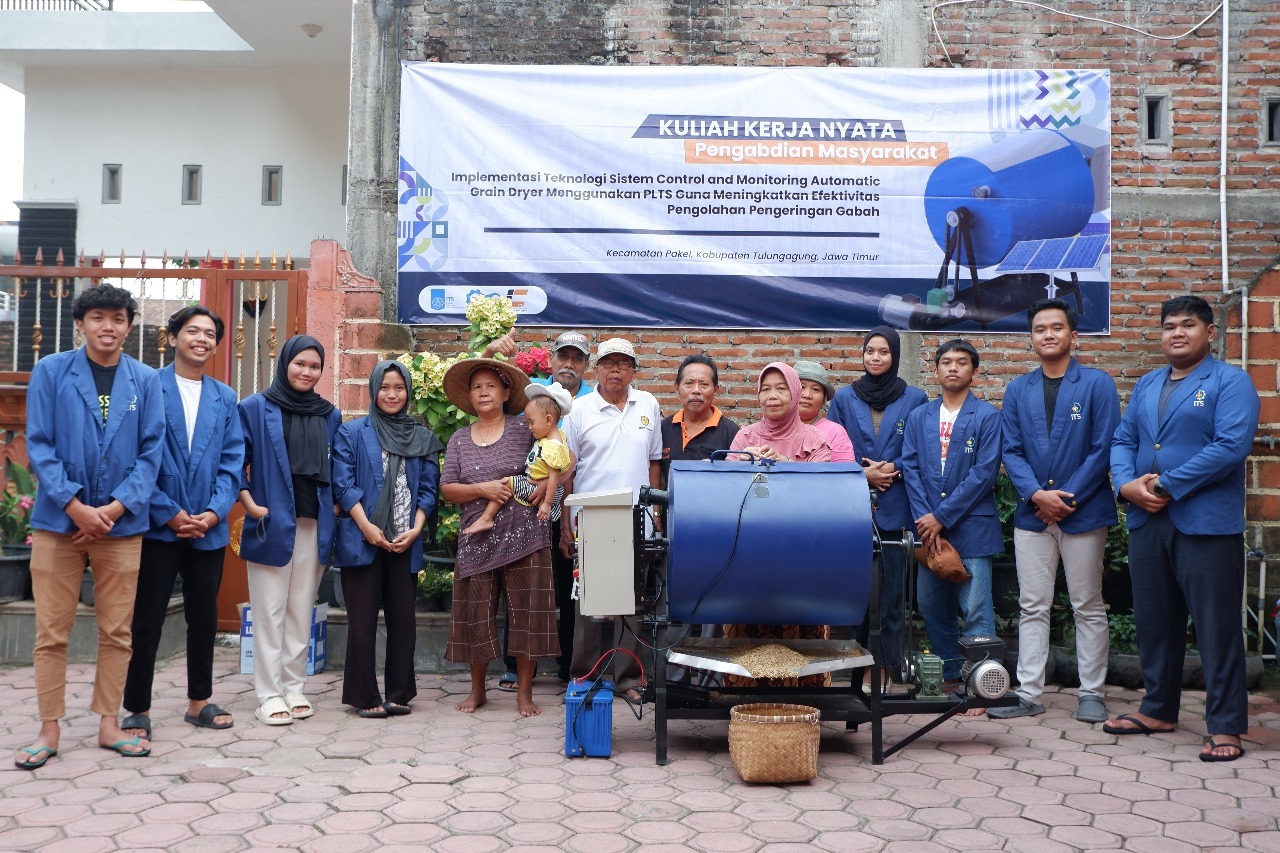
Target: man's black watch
[1158, 489]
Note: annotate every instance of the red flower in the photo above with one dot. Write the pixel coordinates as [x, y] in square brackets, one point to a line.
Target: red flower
[526, 362]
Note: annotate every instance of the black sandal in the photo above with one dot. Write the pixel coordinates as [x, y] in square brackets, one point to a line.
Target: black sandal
[1213, 744]
[137, 721]
[204, 720]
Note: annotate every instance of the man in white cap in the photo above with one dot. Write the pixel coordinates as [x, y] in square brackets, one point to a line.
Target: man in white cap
[615, 434]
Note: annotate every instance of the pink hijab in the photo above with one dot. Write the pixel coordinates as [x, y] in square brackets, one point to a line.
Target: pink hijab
[788, 435]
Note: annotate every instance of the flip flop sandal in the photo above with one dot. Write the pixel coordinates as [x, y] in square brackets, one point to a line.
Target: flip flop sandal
[138, 721]
[1213, 744]
[204, 720]
[509, 683]
[378, 713]
[1139, 727]
[269, 708]
[297, 700]
[397, 710]
[34, 763]
[119, 748]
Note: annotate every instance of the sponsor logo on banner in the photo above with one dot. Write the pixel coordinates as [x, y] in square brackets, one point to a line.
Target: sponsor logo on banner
[454, 299]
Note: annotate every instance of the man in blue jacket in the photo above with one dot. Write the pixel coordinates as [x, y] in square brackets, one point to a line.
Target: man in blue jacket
[95, 424]
[950, 458]
[1056, 427]
[1179, 460]
[199, 479]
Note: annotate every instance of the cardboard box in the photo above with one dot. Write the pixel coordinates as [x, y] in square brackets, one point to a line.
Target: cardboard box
[316, 651]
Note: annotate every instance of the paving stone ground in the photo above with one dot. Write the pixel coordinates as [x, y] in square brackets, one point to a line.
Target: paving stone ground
[439, 780]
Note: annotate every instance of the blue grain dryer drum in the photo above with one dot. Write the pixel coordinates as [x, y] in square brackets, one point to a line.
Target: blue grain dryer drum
[787, 544]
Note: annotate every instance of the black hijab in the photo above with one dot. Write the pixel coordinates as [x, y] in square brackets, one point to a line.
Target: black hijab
[400, 436]
[306, 434]
[880, 391]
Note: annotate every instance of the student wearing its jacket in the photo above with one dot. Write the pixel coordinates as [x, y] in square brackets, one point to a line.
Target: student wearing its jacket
[386, 473]
[873, 410]
[200, 471]
[1179, 460]
[95, 424]
[289, 523]
[1056, 428]
[950, 458]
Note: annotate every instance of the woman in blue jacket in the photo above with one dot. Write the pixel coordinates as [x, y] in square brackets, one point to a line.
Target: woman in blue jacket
[289, 522]
[873, 410]
[386, 472]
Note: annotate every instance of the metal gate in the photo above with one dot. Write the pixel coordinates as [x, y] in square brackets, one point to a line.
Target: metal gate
[261, 302]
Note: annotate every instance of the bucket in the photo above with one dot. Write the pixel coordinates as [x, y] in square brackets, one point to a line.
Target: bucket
[774, 742]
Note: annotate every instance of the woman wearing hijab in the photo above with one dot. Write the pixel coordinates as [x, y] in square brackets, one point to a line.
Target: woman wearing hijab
[289, 522]
[386, 470]
[780, 435]
[816, 391]
[873, 410]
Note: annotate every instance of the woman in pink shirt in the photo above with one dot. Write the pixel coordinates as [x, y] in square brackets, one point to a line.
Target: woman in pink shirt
[816, 391]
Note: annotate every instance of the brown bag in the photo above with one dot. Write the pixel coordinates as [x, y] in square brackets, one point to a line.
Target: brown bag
[236, 529]
[946, 564]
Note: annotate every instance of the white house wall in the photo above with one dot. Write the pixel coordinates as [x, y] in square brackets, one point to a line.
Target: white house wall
[154, 121]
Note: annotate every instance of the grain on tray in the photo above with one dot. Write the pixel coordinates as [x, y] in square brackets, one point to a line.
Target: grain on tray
[771, 660]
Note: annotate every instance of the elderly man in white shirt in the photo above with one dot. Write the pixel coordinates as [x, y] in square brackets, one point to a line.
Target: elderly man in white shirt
[614, 433]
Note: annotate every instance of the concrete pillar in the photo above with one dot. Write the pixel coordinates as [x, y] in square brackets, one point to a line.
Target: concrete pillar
[373, 142]
[904, 32]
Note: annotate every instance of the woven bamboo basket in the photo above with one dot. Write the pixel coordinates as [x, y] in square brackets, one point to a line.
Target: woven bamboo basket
[774, 742]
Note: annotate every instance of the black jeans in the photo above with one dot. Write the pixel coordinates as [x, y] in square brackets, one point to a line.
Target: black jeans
[386, 582]
[201, 572]
[562, 580]
[1175, 575]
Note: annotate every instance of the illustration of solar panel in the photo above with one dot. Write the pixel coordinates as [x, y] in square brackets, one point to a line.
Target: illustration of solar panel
[1067, 253]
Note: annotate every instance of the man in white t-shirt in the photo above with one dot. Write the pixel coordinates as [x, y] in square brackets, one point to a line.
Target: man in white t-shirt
[199, 479]
[615, 434]
[950, 458]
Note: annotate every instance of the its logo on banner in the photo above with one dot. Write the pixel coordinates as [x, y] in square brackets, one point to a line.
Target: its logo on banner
[454, 299]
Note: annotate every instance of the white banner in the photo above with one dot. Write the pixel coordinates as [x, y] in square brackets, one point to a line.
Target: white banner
[826, 198]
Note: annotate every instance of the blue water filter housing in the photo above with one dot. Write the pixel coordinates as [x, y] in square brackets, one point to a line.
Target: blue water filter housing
[1035, 185]
[779, 545]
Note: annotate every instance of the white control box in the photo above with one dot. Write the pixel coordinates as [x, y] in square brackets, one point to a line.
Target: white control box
[606, 552]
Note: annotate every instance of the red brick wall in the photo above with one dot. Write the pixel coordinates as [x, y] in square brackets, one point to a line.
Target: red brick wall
[1162, 246]
[1262, 333]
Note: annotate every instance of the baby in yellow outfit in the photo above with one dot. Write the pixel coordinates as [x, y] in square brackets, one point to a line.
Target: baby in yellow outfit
[548, 460]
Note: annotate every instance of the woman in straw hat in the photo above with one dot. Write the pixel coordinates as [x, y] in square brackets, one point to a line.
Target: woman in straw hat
[514, 557]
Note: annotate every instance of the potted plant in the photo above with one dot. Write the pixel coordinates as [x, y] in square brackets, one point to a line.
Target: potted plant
[435, 589]
[16, 504]
[1004, 571]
